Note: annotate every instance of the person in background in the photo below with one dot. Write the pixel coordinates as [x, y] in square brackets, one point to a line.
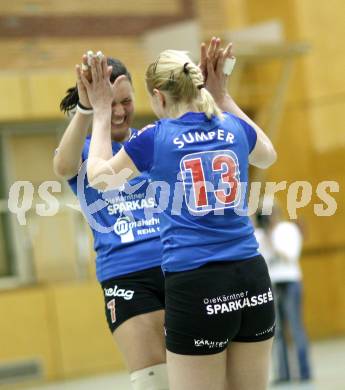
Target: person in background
[281, 244]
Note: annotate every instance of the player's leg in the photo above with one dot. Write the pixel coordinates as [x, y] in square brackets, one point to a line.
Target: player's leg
[141, 340]
[134, 306]
[199, 325]
[248, 365]
[192, 372]
[248, 355]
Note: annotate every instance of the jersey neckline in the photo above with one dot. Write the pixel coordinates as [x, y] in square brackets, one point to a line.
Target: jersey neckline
[132, 131]
[192, 116]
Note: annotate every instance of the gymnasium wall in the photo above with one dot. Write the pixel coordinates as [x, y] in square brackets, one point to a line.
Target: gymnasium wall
[311, 147]
[56, 319]
[310, 140]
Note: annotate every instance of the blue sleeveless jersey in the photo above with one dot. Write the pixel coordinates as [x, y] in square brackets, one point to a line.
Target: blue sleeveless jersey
[125, 230]
[200, 173]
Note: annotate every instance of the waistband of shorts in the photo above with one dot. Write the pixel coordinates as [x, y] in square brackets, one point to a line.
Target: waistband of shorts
[132, 275]
[220, 263]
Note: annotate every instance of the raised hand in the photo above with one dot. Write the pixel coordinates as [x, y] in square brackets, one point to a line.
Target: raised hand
[86, 71]
[209, 53]
[216, 58]
[99, 89]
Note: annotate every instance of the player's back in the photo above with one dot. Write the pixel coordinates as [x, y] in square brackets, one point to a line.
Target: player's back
[205, 164]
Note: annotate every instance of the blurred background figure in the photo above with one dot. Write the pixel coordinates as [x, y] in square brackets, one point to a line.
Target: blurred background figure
[281, 244]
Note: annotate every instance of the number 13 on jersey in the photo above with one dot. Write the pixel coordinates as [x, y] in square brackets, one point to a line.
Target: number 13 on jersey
[211, 180]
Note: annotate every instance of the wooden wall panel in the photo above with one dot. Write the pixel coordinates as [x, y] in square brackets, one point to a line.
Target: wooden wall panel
[54, 53]
[37, 94]
[142, 102]
[211, 15]
[80, 7]
[327, 127]
[65, 330]
[54, 247]
[235, 13]
[4, 263]
[324, 289]
[310, 135]
[267, 10]
[310, 147]
[86, 345]
[46, 89]
[13, 97]
[321, 24]
[26, 331]
[293, 143]
[43, 92]
[25, 150]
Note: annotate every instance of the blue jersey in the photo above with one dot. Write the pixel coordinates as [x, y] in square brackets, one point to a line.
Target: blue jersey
[124, 226]
[200, 171]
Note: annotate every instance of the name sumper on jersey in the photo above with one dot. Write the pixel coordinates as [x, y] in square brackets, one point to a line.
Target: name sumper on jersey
[202, 136]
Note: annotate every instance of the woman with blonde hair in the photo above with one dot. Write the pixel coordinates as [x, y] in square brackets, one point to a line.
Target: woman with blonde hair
[219, 318]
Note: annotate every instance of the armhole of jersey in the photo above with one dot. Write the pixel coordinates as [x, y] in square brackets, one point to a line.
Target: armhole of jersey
[248, 133]
[141, 167]
[154, 146]
[82, 158]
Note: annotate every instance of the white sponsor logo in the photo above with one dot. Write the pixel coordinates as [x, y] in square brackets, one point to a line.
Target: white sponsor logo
[226, 298]
[210, 343]
[201, 136]
[268, 330]
[123, 229]
[255, 300]
[119, 292]
[144, 222]
[131, 205]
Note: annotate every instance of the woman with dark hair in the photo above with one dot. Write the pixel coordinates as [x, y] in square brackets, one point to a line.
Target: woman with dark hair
[126, 239]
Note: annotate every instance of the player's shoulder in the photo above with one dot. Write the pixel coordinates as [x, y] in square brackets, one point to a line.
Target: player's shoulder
[232, 119]
[148, 129]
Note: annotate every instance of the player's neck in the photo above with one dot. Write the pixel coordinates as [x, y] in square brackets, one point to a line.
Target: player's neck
[178, 110]
[121, 136]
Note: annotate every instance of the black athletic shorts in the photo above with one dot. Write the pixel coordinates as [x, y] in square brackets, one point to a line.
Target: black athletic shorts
[133, 294]
[210, 306]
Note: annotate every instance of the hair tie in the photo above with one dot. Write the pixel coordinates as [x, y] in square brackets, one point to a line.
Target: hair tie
[201, 86]
[185, 69]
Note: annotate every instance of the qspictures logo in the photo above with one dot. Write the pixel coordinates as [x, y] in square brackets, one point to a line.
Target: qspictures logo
[299, 194]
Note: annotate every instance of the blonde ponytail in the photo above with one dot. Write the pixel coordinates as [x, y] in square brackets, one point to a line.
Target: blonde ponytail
[175, 73]
[207, 104]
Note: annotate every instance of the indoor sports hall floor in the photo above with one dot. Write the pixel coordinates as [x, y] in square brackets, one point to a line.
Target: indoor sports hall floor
[328, 359]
